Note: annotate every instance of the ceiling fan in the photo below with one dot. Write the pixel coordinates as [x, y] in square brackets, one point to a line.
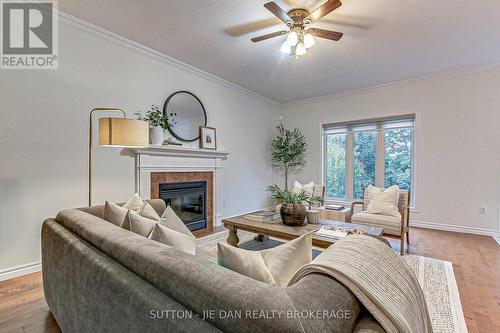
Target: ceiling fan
[299, 36]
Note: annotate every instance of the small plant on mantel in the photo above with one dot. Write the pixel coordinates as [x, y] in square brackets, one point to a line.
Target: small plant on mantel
[158, 123]
[288, 150]
[156, 118]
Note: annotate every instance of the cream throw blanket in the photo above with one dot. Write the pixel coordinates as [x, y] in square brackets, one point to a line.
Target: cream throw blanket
[379, 278]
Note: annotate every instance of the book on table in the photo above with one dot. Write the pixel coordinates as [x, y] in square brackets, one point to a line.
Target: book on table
[262, 216]
[334, 207]
[331, 233]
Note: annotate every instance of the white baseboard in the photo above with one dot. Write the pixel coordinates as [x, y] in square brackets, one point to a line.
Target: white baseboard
[14, 272]
[456, 228]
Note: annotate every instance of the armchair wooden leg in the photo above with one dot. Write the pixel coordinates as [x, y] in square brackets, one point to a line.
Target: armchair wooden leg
[402, 243]
[408, 237]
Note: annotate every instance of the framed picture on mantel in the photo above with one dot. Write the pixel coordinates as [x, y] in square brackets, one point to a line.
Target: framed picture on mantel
[208, 138]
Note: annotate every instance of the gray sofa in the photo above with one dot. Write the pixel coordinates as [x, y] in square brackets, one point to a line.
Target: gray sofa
[98, 277]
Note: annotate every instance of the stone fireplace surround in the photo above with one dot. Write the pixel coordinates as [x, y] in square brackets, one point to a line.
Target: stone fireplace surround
[155, 165]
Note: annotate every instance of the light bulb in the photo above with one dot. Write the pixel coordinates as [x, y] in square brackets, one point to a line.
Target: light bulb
[286, 48]
[308, 40]
[300, 50]
[292, 38]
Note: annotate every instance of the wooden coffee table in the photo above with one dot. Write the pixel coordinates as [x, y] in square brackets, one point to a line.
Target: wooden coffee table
[277, 229]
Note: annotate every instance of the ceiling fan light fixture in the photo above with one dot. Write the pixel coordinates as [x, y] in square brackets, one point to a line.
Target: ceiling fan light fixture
[293, 38]
[286, 48]
[309, 40]
[300, 50]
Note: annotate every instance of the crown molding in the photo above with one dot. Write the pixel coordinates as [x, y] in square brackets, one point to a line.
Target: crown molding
[88, 27]
[437, 76]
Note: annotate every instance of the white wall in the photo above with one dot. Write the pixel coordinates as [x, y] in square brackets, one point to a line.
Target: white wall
[457, 142]
[44, 134]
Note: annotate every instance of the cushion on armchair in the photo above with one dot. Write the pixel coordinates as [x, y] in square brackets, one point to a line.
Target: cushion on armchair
[383, 201]
[391, 224]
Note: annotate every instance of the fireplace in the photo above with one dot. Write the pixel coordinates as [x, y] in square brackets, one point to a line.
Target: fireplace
[190, 194]
[188, 200]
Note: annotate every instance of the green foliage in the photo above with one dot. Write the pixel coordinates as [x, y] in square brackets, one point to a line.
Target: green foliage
[398, 157]
[156, 118]
[365, 144]
[286, 196]
[288, 150]
[397, 160]
[335, 166]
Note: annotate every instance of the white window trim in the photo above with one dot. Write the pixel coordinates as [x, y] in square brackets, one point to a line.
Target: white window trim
[379, 165]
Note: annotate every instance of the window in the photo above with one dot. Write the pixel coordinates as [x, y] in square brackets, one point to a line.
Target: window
[375, 152]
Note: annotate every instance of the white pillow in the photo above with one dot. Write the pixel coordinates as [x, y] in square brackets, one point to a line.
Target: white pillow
[134, 203]
[141, 207]
[307, 188]
[384, 202]
[273, 266]
[138, 224]
[114, 213]
[170, 220]
[175, 239]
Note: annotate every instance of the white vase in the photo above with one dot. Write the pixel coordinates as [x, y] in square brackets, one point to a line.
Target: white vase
[156, 135]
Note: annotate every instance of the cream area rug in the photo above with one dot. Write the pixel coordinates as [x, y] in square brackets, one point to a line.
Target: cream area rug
[435, 276]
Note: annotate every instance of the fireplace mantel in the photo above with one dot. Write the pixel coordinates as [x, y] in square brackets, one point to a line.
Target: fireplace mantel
[170, 159]
[181, 151]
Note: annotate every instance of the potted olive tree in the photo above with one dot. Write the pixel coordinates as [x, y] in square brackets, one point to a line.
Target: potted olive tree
[158, 123]
[293, 205]
[288, 150]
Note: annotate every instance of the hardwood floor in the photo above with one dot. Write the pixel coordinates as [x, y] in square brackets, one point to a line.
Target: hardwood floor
[476, 262]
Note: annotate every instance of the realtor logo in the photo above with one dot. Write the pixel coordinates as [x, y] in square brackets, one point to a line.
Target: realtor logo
[29, 34]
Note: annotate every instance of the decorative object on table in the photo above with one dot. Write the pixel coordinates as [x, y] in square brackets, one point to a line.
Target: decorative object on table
[288, 150]
[312, 216]
[190, 115]
[208, 138]
[293, 210]
[387, 201]
[158, 122]
[170, 142]
[119, 132]
[343, 215]
[262, 216]
[334, 207]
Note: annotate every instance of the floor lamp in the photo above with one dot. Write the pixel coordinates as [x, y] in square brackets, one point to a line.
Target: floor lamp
[117, 132]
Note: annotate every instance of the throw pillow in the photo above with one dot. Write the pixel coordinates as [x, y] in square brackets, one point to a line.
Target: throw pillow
[170, 220]
[308, 188]
[141, 207]
[383, 201]
[138, 224]
[273, 266]
[175, 239]
[114, 213]
[134, 203]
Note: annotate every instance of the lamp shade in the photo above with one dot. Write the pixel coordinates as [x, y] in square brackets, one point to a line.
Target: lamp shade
[123, 132]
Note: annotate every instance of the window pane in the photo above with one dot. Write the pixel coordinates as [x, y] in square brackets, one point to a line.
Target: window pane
[365, 144]
[398, 157]
[335, 165]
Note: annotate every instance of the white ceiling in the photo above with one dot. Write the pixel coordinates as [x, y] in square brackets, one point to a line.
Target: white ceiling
[384, 40]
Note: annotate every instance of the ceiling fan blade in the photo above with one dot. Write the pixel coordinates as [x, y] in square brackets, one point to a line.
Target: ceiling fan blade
[276, 10]
[323, 10]
[328, 34]
[267, 36]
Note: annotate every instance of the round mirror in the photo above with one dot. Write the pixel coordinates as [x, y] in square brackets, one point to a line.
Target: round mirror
[190, 115]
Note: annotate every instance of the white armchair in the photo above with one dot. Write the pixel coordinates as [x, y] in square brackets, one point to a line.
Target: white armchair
[397, 226]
